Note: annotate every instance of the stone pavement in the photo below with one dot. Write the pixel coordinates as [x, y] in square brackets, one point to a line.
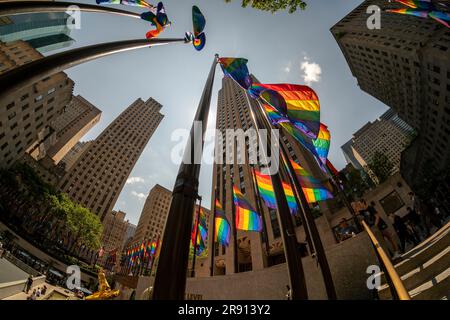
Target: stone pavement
[23, 295]
[9, 272]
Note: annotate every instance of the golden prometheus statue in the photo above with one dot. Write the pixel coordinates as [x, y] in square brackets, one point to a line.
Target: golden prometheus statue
[104, 290]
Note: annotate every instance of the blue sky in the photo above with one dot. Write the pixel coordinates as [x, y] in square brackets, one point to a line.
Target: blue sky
[282, 47]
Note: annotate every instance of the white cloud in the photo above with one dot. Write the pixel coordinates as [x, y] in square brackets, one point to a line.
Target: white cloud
[133, 180]
[287, 69]
[311, 71]
[139, 194]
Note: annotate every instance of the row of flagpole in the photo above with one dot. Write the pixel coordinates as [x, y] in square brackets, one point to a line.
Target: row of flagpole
[140, 257]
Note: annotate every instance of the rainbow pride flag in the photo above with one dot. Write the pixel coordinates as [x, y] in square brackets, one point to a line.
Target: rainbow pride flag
[312, 188]
[290, 198]
[305, 141]
[222, 226]
[410, 12]
[246, 217]
[267, 192]
[136, 3]
[322, 143]
[266, 189]
[299, 103]
[236, 69]
[202, 233]
[416, 4]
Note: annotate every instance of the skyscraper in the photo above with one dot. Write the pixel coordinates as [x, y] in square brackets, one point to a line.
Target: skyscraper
[154, 214]
[114, 233]
[74, 153]
[97, 178]
[406, 65]
[233, 113]
[379, 136]
[78, 118]
[27, 116]
[43, 31]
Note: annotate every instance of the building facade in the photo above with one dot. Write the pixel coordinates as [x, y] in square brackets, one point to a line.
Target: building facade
[154, 215]
[379, 136]
[114, 233]
[27, 116]
[406, 65]
[97, 178]
[74, 153]
[253, 254]
[42, 31]
[78, 117]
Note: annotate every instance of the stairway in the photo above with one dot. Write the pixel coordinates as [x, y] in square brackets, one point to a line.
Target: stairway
[425, 269]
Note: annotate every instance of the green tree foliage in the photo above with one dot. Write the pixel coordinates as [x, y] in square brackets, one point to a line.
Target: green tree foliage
[381, 166]
[85, 225]
[274, 5]
[354, 185]
[48, 218]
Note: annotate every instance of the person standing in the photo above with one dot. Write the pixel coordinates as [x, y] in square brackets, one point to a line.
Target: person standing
[383, 227]
[28, 284]
[402, 231]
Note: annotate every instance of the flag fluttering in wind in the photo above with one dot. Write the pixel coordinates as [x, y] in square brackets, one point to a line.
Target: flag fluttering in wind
[274, 116]
[199, 23]
[306, 142]
[236, 69]
[202, 232]
[246, 217]
[410, 12]
[290, 198]
[423, 9]
[416, 4]
[313, 189]
[267, 192]
[332, 169]
[322, 143]
[441, 17]
[158, 18]
[222, 226]
[135, 3]
[266, 189]
[298, 103]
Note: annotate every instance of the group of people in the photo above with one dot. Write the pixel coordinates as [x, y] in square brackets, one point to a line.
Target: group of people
[36, 292]
[411, 228]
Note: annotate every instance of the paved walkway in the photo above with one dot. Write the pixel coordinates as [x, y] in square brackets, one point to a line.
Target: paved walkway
[50, 290]
[9, 272]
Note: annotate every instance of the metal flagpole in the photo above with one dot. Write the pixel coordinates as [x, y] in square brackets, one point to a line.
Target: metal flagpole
[301, 212]
[213, 234]
[343, 197]
[233, 217]
[291, 249]
[195, 238]
[170, 280]
[34, 71]
[317, 243]
[8, 8]
[259, 206]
